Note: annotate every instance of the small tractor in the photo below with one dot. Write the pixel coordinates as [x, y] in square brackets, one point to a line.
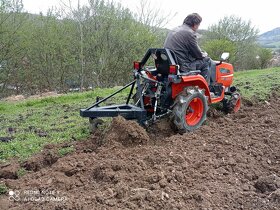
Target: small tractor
[160, 89]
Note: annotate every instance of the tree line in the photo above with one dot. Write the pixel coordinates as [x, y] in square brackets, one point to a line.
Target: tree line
[95, 45]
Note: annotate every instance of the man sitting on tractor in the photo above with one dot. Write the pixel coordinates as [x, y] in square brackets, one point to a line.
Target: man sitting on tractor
[182, 40]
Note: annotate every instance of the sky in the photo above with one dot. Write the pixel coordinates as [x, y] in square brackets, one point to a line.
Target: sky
[264, 15]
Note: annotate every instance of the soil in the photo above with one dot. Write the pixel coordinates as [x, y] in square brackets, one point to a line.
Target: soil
[231, 162]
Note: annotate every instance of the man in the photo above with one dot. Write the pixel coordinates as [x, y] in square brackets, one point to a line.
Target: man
[183, 41]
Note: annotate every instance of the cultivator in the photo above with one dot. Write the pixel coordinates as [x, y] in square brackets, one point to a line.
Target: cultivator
[161, 89]
[128, 111]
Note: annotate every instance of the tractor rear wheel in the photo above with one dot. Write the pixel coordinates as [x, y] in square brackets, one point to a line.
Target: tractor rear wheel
[190, 110]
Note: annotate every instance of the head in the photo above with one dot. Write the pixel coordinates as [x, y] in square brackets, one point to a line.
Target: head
[193, 20]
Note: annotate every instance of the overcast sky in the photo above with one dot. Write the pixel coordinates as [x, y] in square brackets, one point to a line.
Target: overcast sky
[264, 15]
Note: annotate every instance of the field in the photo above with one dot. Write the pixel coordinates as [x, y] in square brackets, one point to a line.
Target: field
[50, 161]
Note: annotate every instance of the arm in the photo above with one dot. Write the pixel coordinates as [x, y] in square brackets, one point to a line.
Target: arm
[194, 49]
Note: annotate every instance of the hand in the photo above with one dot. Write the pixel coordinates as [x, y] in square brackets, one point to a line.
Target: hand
[204, 54]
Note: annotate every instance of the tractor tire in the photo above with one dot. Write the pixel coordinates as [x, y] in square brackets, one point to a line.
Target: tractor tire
[190, 110]
[232, 104]
[94, 123]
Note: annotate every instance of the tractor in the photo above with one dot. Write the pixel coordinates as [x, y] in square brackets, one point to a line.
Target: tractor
[160, 89]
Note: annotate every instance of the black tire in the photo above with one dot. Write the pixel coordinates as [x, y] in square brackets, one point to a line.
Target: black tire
[190, 110]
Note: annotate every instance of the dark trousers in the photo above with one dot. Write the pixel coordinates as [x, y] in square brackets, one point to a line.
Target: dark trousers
[203, 65]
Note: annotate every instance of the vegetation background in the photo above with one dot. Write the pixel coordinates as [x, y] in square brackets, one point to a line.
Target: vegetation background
[95, 45]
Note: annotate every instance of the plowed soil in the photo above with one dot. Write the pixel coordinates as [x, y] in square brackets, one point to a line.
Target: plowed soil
[231, 162]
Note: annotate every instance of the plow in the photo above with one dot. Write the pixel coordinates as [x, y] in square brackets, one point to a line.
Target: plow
[159, 89]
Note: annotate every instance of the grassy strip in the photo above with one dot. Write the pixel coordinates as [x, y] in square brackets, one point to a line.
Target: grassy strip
[28, 125]
[257, 84]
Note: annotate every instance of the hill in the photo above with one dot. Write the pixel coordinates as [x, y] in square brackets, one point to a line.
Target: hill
[270, 39]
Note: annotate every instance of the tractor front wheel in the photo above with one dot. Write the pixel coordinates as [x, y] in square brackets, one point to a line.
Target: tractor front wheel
[190, 110]
[232, 104]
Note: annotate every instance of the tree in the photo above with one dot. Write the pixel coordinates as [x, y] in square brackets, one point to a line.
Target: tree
[216, 47]
[234, 29]
[263, 57]
[94, 45]
[151, 16]
[241, 34]
[11, 22]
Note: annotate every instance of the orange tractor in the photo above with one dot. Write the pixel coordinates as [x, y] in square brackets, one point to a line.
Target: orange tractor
[161, 89]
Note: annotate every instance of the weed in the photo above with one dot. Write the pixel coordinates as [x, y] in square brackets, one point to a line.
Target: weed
[21, 172]
[66, 150]
[3, 189]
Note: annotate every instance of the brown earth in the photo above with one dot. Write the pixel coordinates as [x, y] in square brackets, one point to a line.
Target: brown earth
[231, 162]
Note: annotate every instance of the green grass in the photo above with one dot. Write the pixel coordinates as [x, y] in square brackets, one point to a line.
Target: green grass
[3, 189]
[21, 172]
[29, 125]
[257, 84]
[66, 150]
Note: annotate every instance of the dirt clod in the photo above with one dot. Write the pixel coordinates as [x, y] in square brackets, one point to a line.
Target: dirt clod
[9, 170]
[128, 133]
[37, 162]
[268, 183]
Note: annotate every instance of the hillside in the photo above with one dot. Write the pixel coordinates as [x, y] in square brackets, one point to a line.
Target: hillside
[270, 39]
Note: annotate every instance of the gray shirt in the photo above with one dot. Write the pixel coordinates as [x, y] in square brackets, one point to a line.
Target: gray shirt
[183, 41]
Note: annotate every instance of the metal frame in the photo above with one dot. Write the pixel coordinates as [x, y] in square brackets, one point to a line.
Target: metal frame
[127, 110]
[155, 51]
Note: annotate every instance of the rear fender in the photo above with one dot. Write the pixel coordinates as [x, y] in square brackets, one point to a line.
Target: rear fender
[188, 81]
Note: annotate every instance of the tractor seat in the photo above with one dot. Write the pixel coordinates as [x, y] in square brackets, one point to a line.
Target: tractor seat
[162, 68]
[162, 62]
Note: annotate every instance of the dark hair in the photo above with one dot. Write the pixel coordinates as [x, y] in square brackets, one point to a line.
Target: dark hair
[193, 19]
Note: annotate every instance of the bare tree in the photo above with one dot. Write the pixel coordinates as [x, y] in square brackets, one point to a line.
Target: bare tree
[78, 15]
[151, 16]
